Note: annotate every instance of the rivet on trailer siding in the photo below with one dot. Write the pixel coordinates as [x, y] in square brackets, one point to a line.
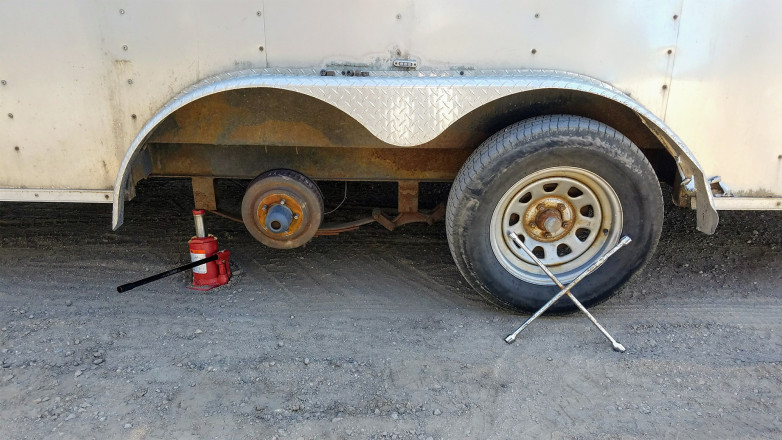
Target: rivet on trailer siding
[260, 48]
[133, 116]
[665, 86]
[130, 81]
[258, 13]
[3, 82]
[537, 15]
[16, 148]
[675, 17]
[11, 115]
[534, 51]
[124, 47]
[121, 11]
[670, 51]
[398, 16]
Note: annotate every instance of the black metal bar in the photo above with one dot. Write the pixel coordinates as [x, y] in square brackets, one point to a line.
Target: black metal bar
[133, 285]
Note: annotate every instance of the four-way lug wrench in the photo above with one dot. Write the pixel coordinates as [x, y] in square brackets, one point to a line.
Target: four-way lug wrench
[566, 289]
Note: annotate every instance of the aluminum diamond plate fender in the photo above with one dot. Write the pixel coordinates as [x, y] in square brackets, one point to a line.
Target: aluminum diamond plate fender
[410, 108]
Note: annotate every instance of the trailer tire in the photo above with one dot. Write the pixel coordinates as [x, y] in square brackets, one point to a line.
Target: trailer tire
[562, 183]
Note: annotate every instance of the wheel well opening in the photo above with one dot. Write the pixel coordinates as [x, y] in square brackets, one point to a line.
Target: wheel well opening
[478, 125]
[207, 136]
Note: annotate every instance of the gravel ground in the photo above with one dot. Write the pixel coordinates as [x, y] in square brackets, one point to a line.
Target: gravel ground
[371, 335]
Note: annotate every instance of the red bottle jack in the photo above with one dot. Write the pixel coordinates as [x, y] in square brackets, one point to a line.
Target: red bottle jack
[214, 273]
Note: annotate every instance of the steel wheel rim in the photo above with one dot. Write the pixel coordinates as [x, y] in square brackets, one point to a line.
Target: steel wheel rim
[585, 237]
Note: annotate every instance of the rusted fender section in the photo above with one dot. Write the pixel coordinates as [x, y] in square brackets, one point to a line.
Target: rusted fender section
[411, 108]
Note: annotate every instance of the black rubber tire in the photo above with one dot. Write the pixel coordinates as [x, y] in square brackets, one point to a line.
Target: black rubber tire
[532, 145]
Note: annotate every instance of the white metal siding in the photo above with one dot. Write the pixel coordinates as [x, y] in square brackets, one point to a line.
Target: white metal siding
[68, 75]
[726, 96]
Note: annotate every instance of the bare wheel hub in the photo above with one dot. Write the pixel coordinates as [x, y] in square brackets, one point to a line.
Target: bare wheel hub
[280, 214]
[548, 218]
[282, 209]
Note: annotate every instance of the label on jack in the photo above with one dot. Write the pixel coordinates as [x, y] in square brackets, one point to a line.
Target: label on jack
[196, 256]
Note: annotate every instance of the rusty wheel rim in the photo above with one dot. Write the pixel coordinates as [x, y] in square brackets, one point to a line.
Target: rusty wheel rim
[567, 216]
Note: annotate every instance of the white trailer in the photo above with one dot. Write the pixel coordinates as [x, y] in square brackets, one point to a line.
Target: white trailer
[555, 119]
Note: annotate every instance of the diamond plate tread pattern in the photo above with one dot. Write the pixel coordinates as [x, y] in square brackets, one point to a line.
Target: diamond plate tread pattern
[408, 108]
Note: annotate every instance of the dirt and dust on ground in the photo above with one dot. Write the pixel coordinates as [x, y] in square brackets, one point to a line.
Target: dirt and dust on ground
[371, 335]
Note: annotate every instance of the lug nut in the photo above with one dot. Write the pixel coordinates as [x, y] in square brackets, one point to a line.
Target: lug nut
[540, 206]
[264, 207]
[547, 234]
[295, 216]
[565, 224]
[282, 202]
[561, 206]
[531, 225]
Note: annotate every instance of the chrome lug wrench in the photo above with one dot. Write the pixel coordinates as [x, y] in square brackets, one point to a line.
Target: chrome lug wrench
[566, 289]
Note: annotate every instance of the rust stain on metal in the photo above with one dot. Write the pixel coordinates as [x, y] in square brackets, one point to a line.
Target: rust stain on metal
[263, 117]
[338, 228]
[388, 222]
[543, 209]
[290, 133]
[245, 162]
[404, 218]
[204, 193]
[204, 121]
[408, 196]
